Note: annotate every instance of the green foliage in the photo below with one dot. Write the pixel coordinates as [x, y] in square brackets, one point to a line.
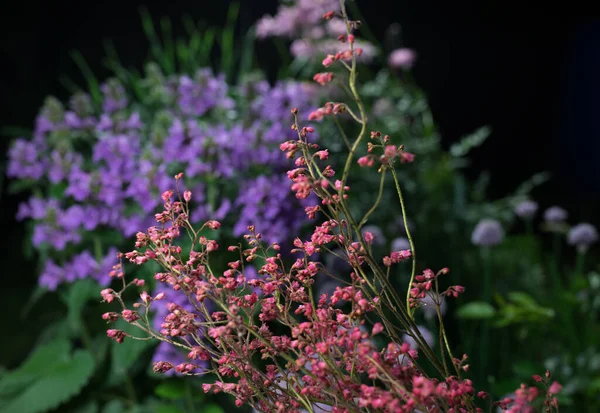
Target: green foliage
[75, 297]
[125, 356]
[467, 143]
[521, 308]
[51, 376]
[171, 390]
[476, 310]
[90, 407]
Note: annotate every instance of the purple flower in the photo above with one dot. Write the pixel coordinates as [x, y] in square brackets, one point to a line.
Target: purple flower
[268, 204]
[24, 160]
[79, 184]
[400, 243]
[37, 208]
[488, 232]
[555, 214]
[582, 236]
[72, 218]
[82, 265]
[203, 93]
[402, 58]
[526, 209]
[51, 276]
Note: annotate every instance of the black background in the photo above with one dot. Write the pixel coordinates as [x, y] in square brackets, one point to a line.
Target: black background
[533, 79]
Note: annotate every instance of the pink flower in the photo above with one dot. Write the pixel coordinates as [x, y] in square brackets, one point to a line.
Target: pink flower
[323, 78]
[402, 58]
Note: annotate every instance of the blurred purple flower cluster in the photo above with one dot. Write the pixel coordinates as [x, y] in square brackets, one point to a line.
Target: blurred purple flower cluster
[98, 167]
[312, 37]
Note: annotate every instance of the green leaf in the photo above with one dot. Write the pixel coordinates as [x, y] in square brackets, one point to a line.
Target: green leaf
[114, 406]
[523, 299]
[77, 295]
[43, 359]
[169, 48]
[167, 408]
[54, 386]
[93, 86]
[124, 355]
[172, 390]
[247, 59]
[469, 142]
[213, 408]
[476, 310]
[90, 407]
[228, 39]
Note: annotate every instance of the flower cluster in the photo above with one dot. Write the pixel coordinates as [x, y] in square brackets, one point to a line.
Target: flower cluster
[314, 28]
[97, 168]
[267, 338]
[315, 352]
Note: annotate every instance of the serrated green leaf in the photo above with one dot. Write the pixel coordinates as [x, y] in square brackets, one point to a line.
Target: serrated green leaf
[54, 387]
[476, 310]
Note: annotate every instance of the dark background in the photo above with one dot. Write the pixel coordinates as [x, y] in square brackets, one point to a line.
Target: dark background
[533, 80]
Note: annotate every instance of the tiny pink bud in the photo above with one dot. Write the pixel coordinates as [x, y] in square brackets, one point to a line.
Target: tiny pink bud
[377, 328]
[187, 195]
[145, 297]
[214, 225]
[555, 388]
[328, 15]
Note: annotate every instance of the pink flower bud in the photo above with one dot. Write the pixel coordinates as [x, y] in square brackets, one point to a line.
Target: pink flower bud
[145, 297]
[323, 78]
[377, 328]
[328, 15]
[214, 225]
[110, 317]
[107, 295]
[328, 60]
[187, 195]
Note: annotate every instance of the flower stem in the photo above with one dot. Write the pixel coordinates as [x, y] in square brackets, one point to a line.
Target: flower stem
[410, 241]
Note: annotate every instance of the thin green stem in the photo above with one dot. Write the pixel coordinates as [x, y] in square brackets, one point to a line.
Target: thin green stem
[377, 201]
[410, 241]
